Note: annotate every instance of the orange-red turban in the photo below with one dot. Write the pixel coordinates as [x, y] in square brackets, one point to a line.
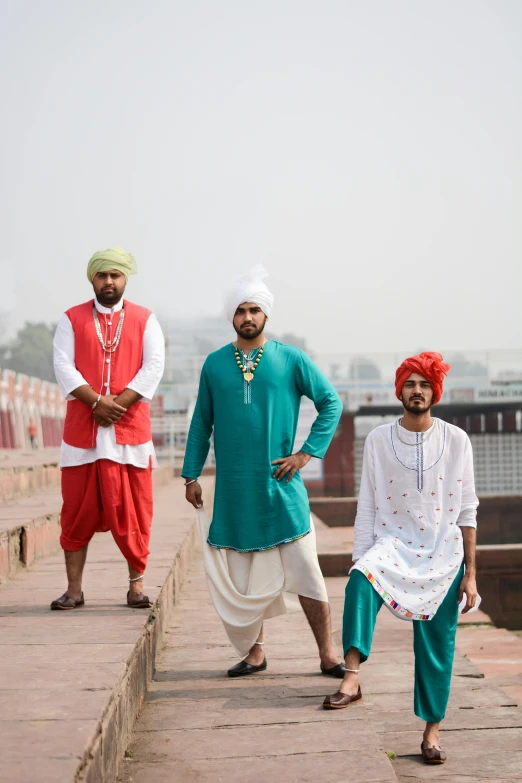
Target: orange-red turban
[428, 364]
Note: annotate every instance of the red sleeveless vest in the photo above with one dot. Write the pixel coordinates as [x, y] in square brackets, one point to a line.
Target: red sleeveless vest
[80, 429]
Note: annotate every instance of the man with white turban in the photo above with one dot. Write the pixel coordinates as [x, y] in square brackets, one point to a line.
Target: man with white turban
[108, 359]
[249, 397]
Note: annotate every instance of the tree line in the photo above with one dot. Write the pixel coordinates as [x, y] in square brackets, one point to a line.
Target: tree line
[31, 351]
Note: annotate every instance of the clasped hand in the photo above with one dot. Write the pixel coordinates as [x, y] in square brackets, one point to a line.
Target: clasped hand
[108, 411]
[288, 466]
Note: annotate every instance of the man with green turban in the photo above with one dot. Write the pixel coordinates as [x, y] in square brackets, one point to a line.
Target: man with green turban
[112, 258]
[108, 359]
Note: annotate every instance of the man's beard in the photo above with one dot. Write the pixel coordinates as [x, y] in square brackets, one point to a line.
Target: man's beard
[417, 410]
[249, 334]
[109, 298]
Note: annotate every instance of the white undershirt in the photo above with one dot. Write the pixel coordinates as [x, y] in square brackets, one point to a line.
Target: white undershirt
[145, 382]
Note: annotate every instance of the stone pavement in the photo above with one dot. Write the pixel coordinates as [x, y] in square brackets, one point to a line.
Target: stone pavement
[23, 458]
[71, 683]
[199, 725]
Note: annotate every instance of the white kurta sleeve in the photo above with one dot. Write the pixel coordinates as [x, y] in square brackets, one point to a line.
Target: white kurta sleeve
[469, 502]
[67, 375]
[364, 537]
[147, 379]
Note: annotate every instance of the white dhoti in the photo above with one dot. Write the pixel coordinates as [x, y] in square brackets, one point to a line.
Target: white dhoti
[247, 587]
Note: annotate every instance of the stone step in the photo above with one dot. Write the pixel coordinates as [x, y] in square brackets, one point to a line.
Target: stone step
[30, 526]
[335, 512]
[24, 473]
[73, 682]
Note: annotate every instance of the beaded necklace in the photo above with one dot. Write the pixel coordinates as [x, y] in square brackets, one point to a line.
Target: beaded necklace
[248, 368]
[108, 347]
[248, 365]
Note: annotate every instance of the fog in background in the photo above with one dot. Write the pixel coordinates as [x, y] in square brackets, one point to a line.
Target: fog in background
[368, 153]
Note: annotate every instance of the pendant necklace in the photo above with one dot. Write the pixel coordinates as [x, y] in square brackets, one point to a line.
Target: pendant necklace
[249, 367]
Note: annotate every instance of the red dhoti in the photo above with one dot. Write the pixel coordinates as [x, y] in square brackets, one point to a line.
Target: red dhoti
[105, 495]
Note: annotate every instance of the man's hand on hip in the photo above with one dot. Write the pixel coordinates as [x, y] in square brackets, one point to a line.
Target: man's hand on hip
[193, 494]
[288, 466]
[107, 411]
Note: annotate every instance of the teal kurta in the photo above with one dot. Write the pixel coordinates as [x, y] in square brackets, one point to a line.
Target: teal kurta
[252, 510]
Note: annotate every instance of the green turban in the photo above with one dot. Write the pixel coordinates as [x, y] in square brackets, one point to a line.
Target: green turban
[112, 258]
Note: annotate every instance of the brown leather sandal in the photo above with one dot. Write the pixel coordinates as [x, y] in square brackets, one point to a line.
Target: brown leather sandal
[66, 602]
[433, 755]
[341, 700]
[139, 601]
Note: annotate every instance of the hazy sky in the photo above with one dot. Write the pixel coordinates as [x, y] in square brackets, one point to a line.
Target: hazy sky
[368, 153]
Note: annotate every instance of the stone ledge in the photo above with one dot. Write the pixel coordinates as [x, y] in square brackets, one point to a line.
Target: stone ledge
[28, 530]
[335, 512]
[85, 673]
[30, 527]
[24, 473]
[499, 517]
[103, 758]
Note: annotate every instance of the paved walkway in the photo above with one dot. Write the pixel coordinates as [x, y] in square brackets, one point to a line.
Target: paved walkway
[71, 683]
[199, 725]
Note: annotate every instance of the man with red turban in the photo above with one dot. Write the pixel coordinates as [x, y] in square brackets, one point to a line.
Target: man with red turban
[428, 364]
[414, 545]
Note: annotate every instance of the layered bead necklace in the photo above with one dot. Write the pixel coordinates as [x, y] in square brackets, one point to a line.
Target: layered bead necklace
[111, 345]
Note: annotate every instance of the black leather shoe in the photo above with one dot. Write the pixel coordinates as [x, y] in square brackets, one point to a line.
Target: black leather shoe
[242, 668]
[336, 671]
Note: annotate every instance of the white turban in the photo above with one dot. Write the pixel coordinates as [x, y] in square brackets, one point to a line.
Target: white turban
[250, 288]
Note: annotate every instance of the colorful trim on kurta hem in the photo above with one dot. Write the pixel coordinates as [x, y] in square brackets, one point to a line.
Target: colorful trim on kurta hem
[400, 611]
[260, 549]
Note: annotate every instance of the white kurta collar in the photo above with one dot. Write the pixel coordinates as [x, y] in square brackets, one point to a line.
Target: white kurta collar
[101, 309]
[408, 436]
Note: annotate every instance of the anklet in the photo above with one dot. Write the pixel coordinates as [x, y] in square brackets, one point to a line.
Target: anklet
[355, 671]
[137, 578]
[258, 642]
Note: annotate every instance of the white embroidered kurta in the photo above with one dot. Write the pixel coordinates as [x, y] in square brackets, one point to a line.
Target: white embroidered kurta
[413, 500]
[145, 382]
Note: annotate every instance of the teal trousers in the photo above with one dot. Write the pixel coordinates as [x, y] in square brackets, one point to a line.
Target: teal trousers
[433, 641]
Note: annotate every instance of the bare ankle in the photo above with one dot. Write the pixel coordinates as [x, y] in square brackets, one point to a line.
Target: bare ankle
[350, 683]
[431, 734]
[256, 653]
